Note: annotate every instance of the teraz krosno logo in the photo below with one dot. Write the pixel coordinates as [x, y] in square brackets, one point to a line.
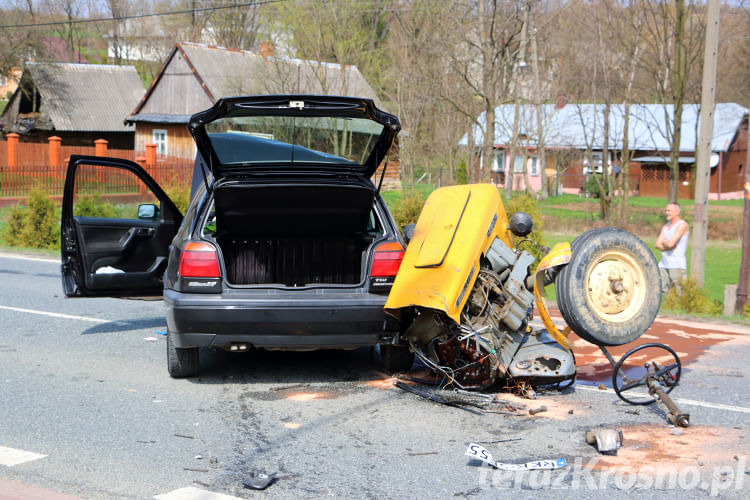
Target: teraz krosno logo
[582, 475]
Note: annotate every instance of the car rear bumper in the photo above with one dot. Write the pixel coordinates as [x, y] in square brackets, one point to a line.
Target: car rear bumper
[267, 319]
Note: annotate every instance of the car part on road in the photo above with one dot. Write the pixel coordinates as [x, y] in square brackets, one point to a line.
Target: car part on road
[607, 441]
[436, 398]
[534, 411]
[674, 414]
[479, 453]
[259, 481]
[656, 380]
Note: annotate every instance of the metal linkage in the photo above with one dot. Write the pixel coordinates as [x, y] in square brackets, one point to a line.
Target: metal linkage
[659, 380]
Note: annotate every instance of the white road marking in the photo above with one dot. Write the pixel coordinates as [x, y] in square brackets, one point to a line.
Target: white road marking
[25, 257]
[55, 315]
[690, 402]
[192, 493]
[11, 456]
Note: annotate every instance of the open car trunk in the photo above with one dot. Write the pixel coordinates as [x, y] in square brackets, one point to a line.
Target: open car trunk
[294, 235]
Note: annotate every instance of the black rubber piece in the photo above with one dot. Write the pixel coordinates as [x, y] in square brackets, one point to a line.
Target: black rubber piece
[562, 277]
[396, 358]
[181, 362]
[571, 288]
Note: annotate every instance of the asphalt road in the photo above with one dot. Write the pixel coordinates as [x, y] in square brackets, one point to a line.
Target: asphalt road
[87, 409]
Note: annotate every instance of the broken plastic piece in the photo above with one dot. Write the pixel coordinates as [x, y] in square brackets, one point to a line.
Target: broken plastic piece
[259, 481]
[607, 441]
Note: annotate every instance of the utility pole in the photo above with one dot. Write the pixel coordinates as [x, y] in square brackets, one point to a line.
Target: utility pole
[702, 168]
[743, 284]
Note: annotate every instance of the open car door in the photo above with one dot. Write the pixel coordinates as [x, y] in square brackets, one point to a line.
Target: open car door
[117, 225]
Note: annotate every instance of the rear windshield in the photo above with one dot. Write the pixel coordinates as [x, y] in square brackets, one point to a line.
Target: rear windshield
[287, 140]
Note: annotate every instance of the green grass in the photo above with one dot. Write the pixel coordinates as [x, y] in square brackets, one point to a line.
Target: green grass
[393, 197]
[3, 103]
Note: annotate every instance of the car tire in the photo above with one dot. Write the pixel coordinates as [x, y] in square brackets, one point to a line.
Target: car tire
[609, 293]
[396, 358]
[181, 362]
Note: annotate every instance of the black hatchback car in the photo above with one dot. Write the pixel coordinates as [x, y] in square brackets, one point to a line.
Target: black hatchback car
[286, 243]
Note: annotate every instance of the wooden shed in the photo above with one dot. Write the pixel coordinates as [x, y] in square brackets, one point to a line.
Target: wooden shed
[78, 102]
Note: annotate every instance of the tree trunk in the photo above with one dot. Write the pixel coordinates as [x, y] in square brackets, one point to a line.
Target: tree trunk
[541, 156]
[605, 194]
[679, 76]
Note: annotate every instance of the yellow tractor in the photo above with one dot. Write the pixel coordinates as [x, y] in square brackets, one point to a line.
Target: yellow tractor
[466, 294]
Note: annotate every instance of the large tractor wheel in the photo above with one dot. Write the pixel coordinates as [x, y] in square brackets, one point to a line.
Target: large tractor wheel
[610, 291]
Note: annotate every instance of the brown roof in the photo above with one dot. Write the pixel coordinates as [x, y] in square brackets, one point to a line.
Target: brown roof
[194, 76]
[84, 97]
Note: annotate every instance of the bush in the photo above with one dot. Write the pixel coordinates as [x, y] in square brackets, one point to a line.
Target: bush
[592, 186]
[407, 209]
[15, 223]
[179, 193]
[692, 299]
[94, 206]
[36, 225]
[462, 175]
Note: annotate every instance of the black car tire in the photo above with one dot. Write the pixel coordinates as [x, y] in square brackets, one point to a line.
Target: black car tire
[181, 362]
[609, 293]
[396, 358]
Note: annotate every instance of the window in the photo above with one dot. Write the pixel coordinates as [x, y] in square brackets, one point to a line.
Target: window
[498, 161]
[534, 165]
[98, 186]
[518, 164]
[160, 139]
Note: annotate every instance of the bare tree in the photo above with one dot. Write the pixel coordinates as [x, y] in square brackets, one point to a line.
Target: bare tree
[18, 44]
[672, 36]
[236, 28]
[483, 51]
[71, 10]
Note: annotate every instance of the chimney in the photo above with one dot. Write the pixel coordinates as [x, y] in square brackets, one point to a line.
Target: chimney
[560, 101]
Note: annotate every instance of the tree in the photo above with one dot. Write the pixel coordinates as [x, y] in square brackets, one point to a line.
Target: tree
[483, 50]
[18, 44]
[417, 77]
[71, 10]
[672, 36]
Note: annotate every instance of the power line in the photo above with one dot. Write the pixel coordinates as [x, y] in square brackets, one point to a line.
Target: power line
[141, 16]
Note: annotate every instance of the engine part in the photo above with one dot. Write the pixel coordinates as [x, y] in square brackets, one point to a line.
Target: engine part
[540, 359]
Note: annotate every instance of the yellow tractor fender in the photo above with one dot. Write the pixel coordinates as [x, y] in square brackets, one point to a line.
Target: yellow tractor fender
[559, 256]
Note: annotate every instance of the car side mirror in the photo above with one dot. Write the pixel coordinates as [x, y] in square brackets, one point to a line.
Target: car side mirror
[409, 232]
[148, 211]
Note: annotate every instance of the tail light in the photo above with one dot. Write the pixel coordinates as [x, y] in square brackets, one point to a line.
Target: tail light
[198, 260]
[387, 259]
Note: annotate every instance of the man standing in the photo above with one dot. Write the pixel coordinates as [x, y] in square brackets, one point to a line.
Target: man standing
[672, 241]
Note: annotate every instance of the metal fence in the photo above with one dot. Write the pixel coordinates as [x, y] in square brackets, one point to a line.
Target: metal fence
[17, 182]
